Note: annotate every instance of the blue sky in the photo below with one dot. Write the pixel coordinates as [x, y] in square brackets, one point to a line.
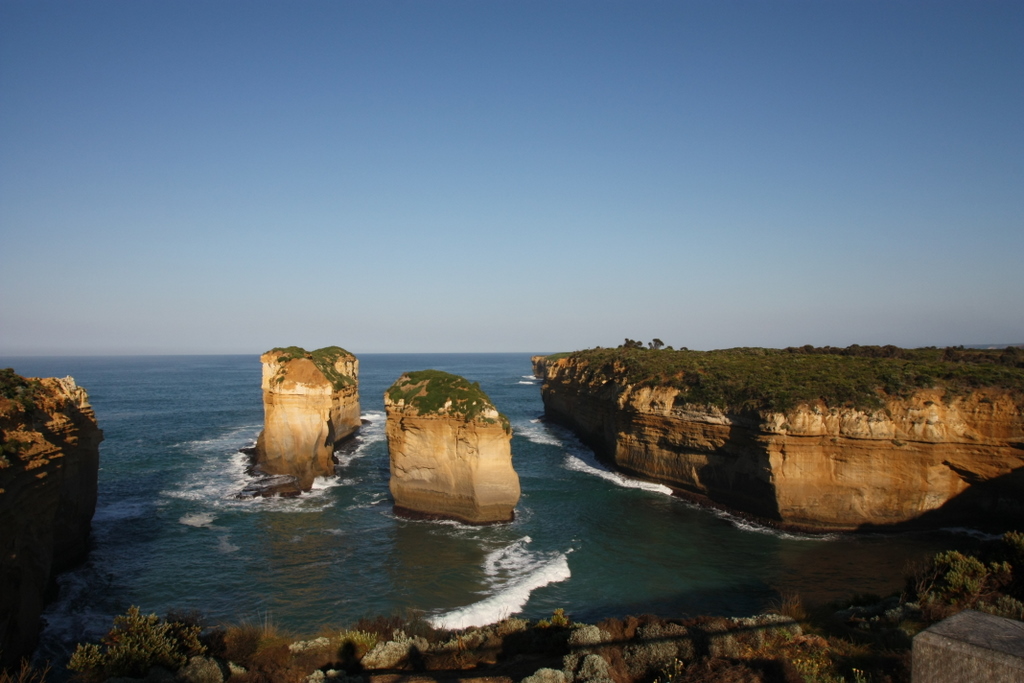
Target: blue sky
[224, 177]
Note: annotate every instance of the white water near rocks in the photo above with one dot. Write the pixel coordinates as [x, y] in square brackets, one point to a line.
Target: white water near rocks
[170, 532]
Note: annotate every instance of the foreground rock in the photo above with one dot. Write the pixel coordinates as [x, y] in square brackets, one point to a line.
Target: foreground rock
[930, 456]
[450, 450]
[48, 476]
[310, 404]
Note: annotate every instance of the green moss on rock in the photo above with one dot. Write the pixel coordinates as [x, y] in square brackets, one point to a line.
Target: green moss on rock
[324, 359]
[428, 391]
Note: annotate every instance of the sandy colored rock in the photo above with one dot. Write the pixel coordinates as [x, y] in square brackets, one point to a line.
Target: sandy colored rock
[48, 484]
[310, 404]
[450, 450]
[815, 467]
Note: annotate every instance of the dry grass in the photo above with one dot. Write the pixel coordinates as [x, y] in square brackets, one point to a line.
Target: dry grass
[26, 673]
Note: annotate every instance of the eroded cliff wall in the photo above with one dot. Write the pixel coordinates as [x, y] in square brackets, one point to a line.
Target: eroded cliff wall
[48, 484]
[310, 403]
[930, 456]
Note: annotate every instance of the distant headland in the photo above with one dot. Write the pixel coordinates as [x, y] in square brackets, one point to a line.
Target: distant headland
[818, 439]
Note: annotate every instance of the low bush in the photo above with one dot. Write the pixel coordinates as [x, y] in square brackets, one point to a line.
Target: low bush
[136, 643]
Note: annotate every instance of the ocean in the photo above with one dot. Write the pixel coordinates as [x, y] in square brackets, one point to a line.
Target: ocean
[170, 534]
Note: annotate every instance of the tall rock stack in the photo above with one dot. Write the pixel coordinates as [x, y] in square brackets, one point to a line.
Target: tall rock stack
[451, 455]
[310, 404]
[49, 462]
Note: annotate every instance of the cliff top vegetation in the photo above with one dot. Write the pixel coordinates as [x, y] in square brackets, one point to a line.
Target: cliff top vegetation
[429, 390]
[750, 379]
[17, 388]
[324, 359]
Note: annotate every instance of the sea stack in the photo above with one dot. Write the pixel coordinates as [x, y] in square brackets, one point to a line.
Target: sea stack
[49, 460]
[451, 455]
[310, 404]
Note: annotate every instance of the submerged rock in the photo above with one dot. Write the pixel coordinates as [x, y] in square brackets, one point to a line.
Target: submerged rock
[310, 404]
[450, 449]
[49, 461]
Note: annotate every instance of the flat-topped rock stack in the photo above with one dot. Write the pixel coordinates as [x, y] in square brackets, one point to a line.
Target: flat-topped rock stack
[310, 404]
[451, 455]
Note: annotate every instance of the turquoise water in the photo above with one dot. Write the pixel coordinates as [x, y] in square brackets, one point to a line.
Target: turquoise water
[169, 533]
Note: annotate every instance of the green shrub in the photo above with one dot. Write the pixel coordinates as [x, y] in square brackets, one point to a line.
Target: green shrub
[136, 643]
[18, 389]
[953, 582]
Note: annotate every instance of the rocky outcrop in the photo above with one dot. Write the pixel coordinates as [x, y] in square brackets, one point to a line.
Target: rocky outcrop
[310, 404]
[450, 450]
[933, 457]
[540, 366]
[49, 461]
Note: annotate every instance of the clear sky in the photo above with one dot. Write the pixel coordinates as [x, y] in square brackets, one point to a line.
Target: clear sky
[210, 176]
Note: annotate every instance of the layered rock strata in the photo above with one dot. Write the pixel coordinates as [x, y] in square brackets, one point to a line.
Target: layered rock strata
[310, 404]
[450, 450]
[932, 457]
[49, 462]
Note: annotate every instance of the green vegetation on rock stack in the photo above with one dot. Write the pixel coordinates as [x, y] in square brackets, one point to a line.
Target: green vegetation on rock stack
[429, 390]
[750, 379]
[324, 359]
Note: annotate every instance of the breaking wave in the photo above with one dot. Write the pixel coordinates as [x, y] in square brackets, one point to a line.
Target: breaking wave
[513, 572]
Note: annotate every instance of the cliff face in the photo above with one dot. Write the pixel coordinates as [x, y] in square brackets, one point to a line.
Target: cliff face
[813, 467]
[310, 403]
[48, 482]
[540, 366]
[450, 450]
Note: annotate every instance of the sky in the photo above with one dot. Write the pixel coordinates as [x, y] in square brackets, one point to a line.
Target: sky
[216, 176]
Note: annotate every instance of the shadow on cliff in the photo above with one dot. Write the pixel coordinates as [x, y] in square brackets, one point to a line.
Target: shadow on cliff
[996, 505]
[737, 476]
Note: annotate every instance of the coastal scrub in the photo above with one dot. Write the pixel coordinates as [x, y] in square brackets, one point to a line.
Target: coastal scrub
[435, 391]
[752, 379]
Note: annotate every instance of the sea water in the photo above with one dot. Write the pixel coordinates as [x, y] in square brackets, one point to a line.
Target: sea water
[170, 532]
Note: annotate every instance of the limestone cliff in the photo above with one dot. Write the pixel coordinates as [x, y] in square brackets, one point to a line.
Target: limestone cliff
[932, 455]
[49, 461]
[540, 364]
[310, 404]
[450, 449]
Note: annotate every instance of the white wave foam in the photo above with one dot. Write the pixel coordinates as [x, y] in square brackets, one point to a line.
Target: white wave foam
[324, 483]
[199, 519]
[222, 476]
[754, 527]
[537, 432]
[226, 546]
[231, 440]
[374, 499]
[370, 433]
[973, 533]
[528, 383]
[534, 377]
[514, 572]
[576, 463]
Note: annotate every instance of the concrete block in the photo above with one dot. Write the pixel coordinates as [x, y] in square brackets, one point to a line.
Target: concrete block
[970, 647]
